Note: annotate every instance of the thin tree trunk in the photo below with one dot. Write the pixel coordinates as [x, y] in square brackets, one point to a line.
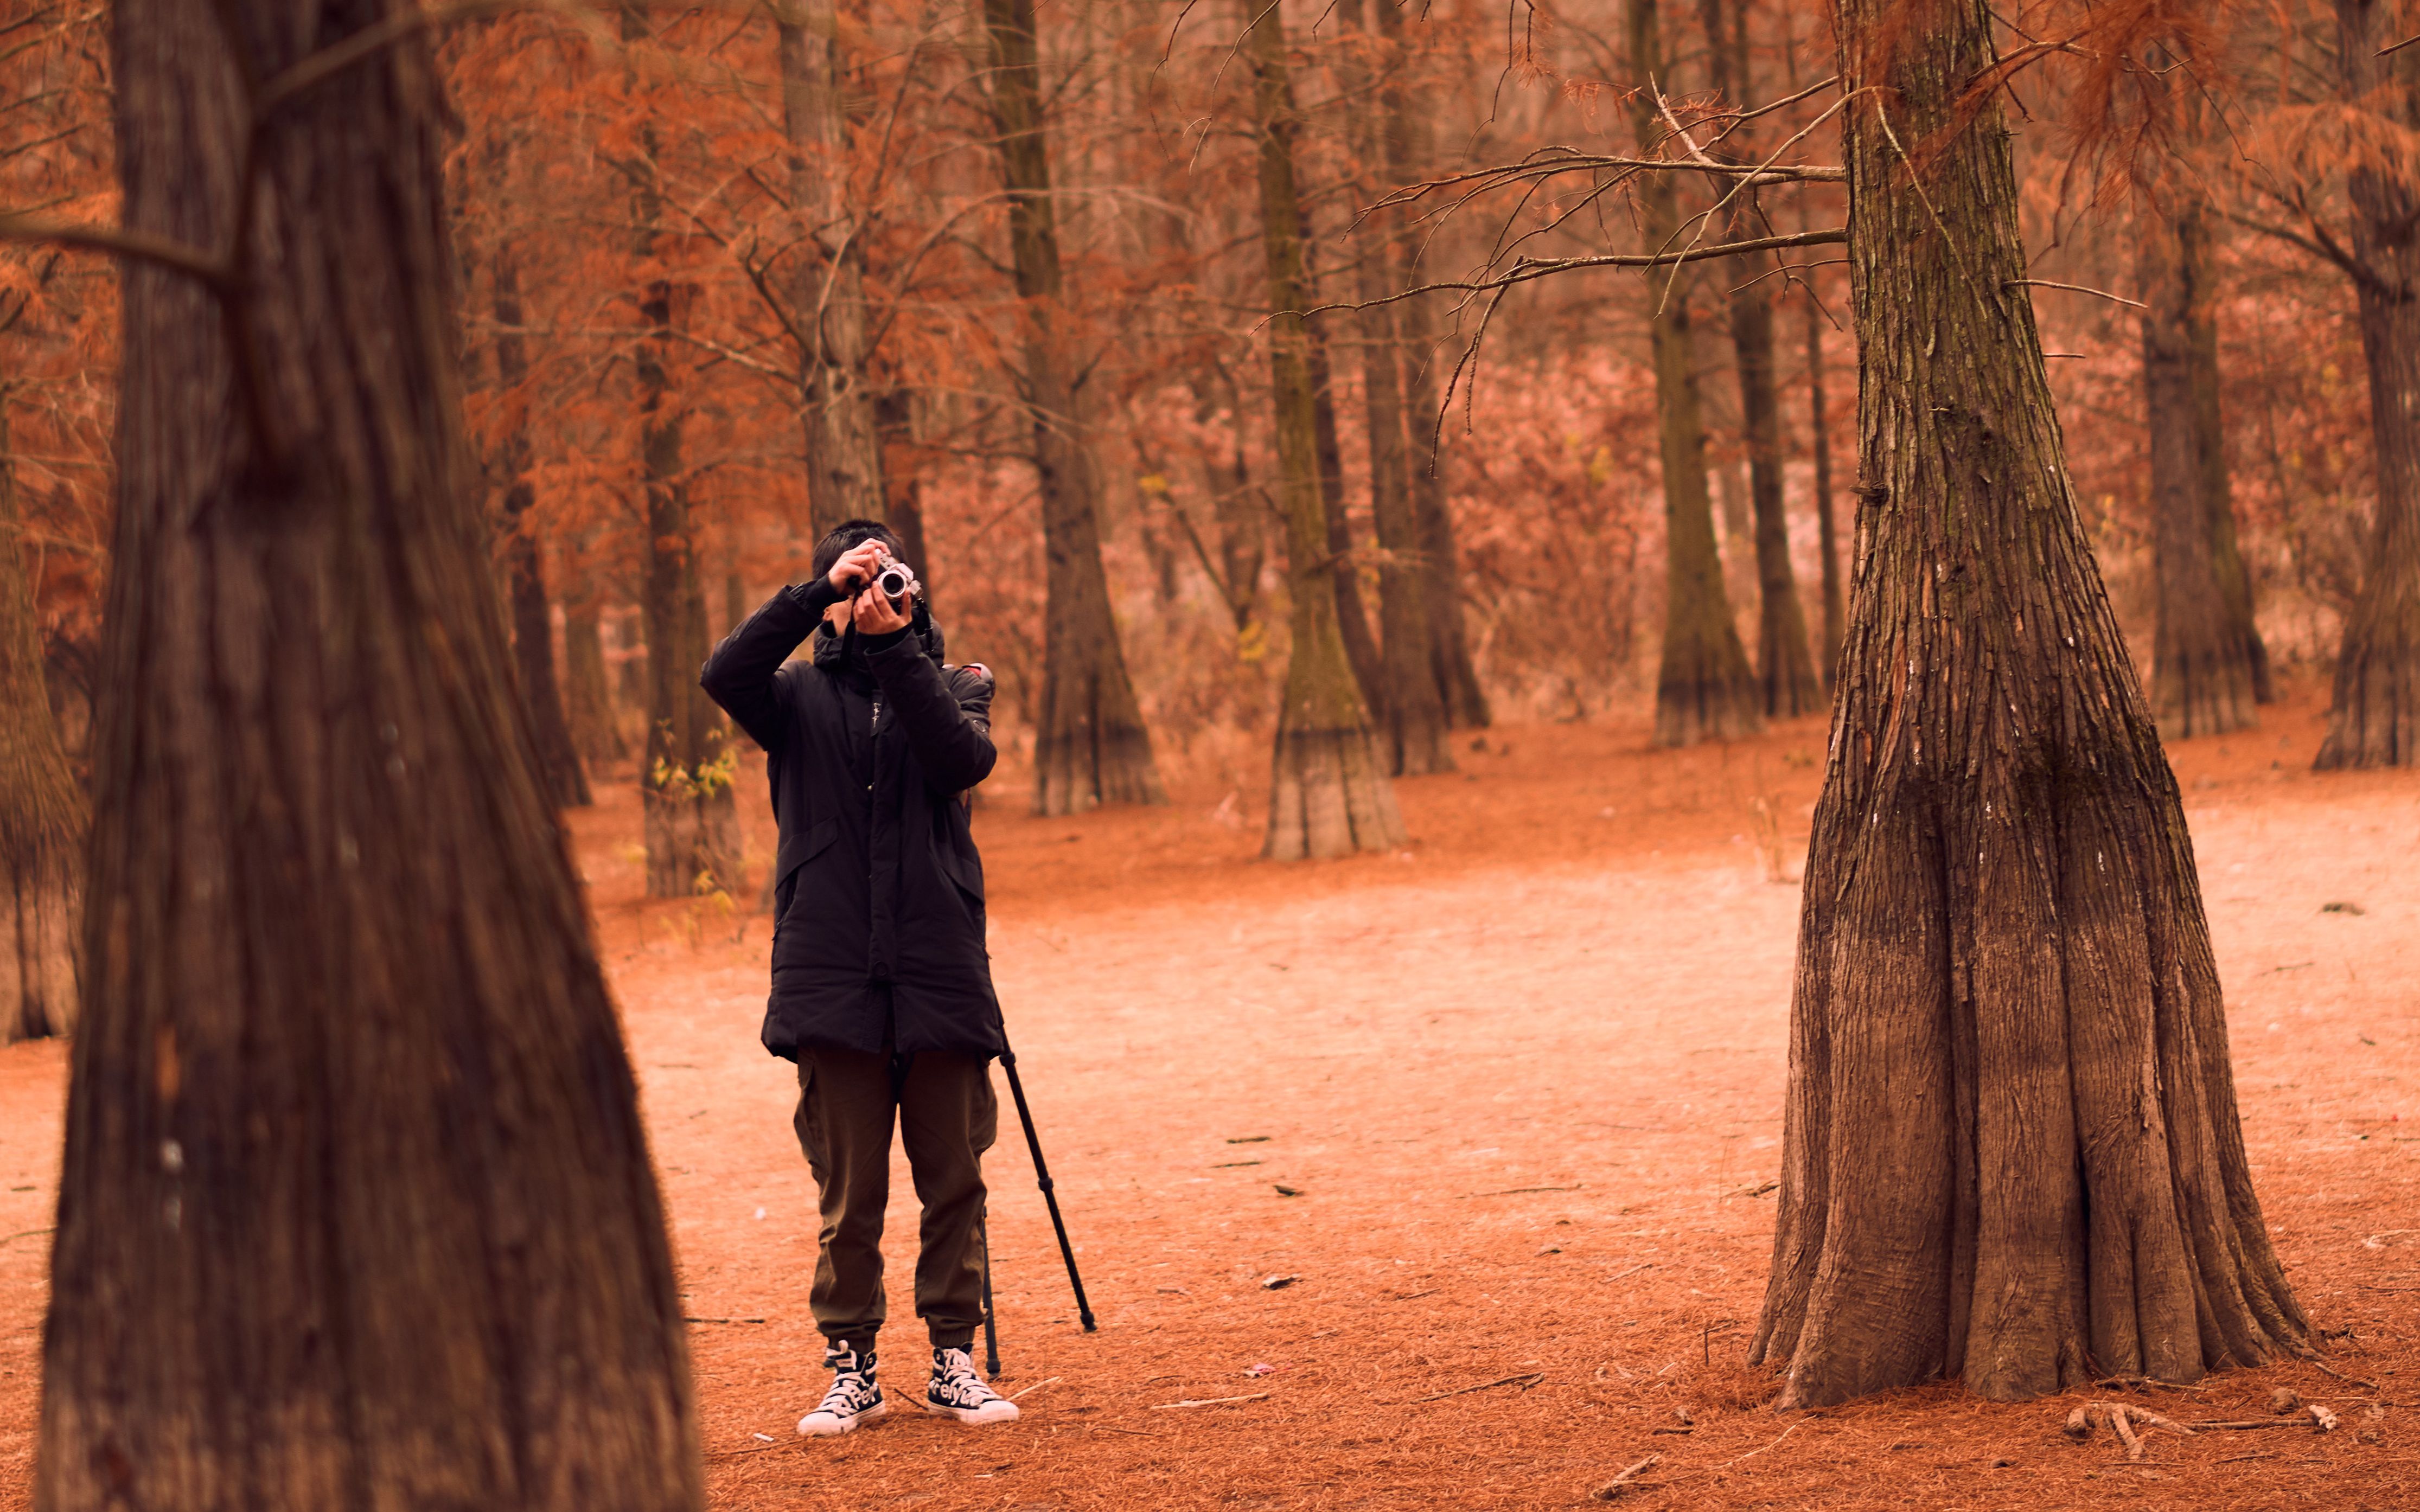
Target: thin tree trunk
[2209, 442]
[1826, 530]
[2375, 719]
[596, 727]
[559, 770]
[2010, 1147]
[1413, 712]
[2201, 673]
[903, 482]
[686, 771]
[1329, 793]
[42, 813]
[1352, 620]
[1090, 744]
[1704, 688]
[1785, 669]
[1408, 159]
[356, 1209]
[827, 291]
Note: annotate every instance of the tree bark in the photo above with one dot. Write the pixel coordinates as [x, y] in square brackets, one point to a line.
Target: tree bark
[1704, 688]
[1091, 746]
[2011, 1148]
[2201, 668]
[1826, 531]
[1785, 669]
[1329, 793]
[827, 291]
[1408, 156]
[686, 788]
[356, 1208]
[2375, 718]
[42, 813]
[559, 770]
[1412, 714]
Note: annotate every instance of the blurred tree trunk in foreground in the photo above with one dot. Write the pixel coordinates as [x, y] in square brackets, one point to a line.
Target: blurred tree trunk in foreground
[42, 813]
[2201, 661]
[1090, 744]
[1329, 793]
[356, 1209]
[2375, 719]
[2010, 1147]
[1704, 688]
[1413, 711]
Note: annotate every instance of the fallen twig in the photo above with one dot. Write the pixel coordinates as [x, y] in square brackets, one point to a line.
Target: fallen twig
[2236, 1459]
[1210, 1401]
[1620, 1483]
[1518, 1191]
[2325, 1368]
[2245, 1424]
[1036, 1386]
[24, 1233]
[1111, 1427]
[1525, 1381]
[723, 1320]
[1646, 1265]
[2148, 1380]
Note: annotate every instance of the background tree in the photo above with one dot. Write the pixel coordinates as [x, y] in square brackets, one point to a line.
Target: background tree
[1090, 744]
[1329, 793]
[1785, 672]
[42, 813]
[2375, 720]
[1704, 687]
[2011, 1153]
[356, 1208]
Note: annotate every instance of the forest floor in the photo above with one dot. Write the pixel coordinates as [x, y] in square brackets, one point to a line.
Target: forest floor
[1507, 1107]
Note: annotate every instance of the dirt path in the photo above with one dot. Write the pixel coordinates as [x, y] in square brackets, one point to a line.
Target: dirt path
[1526, 1088]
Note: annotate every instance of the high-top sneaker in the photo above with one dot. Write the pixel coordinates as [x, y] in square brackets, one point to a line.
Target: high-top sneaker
[957, 1392]
[854, 1396]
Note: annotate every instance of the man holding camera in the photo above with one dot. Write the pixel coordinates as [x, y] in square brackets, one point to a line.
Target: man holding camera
[881, 982]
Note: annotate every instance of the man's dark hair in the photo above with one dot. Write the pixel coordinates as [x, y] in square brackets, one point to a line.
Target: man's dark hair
[847, 537]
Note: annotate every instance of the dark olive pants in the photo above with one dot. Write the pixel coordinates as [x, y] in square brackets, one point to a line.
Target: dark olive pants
[947, 1119]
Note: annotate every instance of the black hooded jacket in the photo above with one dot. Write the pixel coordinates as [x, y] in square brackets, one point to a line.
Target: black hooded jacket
[877, 892]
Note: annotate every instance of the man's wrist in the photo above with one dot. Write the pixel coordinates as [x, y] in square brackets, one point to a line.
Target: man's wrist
[814, 596]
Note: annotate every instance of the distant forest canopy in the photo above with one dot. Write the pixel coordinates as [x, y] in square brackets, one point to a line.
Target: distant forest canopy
[641, 216]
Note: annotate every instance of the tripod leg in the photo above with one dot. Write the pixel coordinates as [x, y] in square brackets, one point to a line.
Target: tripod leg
[1050, 1193]
[991, 1325]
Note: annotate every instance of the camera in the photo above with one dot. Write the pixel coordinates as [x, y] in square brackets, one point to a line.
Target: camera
[894, 580]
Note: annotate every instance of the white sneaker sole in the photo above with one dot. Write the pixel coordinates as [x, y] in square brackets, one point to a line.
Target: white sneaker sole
[817, 1426]
[1002, 1410]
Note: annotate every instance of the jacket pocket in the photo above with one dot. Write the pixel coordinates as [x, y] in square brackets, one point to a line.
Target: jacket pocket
[797, 851]
[965, 871]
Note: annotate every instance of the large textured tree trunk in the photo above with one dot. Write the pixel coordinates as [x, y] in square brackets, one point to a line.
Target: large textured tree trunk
[1409, 158]
[558, 760]
[2375, 720]
[2011, 1148]
[1835, 611]
[2201, 666]
[1090, 744]
[903, 485]
[42, 813]
[1412, 714]
[1703, 689]
[686, 769]
[356, 1208]
[1329, 793]
[827, 291]
[1784, 669]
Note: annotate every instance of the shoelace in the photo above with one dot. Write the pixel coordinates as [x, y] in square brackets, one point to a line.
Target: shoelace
[958, 1379]
[849, 1391]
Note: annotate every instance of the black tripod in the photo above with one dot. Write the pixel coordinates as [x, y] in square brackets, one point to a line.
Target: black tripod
[1050, 1196]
